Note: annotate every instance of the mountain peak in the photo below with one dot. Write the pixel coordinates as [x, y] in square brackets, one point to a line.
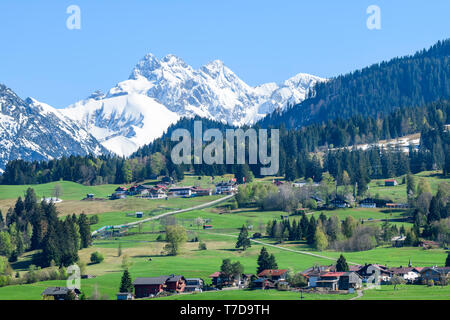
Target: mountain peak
[145, 66]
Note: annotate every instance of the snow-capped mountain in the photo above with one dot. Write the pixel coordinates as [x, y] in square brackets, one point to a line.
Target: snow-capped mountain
[159, 92]
[31, 130]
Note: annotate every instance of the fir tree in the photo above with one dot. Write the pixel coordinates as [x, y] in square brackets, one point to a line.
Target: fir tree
[243, 240]
[341, 264]
[126, 285]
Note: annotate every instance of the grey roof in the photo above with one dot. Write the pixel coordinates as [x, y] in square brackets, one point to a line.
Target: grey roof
[51, 291]
[175, 278]
[151, 281]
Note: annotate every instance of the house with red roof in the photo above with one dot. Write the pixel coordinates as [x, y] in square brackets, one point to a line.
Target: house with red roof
[274, 274]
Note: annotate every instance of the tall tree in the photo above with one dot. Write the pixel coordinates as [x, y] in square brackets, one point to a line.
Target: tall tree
[265, 261]
[341, 264]
[243, 240]
[125, 284]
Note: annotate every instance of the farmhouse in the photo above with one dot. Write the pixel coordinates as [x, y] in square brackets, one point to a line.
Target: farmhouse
[201, 191]
[194, 285]
[157, 193]
[60, 293]
[181, 191]
[397, 205]
[368, 270]
[340, 203]
[145, 287]
[429, 244]
[226, 187]
[390, 183]
[262, 284]
[274, 275]
[175, 284]
[368, 203]
[435, 274]
[398, 241]
[410, 274]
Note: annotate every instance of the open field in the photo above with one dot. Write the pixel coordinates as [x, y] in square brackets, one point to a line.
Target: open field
[256, 295]
[192, 262]
[398, 193]
[407, 292]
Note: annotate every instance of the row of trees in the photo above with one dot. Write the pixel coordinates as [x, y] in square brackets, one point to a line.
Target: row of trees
[35, 226]
[295, 158]
[381, 88]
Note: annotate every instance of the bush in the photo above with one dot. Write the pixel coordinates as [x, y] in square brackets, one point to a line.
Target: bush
[13, 257]
[93, 219]
[97, 257]
[257, 235]
[202, 246]
[160, 238]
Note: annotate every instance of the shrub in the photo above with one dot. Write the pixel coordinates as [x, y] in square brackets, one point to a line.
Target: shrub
[257, 235]
[202, 246]
[97, 257]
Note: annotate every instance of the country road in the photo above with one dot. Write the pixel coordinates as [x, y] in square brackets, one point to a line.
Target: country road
[283, 248]
[200, 206]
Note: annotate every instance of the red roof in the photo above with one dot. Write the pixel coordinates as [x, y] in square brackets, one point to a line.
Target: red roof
[272, 272]
[215, 274]
[333, 274]
[354, 268]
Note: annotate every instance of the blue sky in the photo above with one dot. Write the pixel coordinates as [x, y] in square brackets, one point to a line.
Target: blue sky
[261, 41]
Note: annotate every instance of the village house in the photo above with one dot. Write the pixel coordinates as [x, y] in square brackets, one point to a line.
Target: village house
[428, 244]
[368, 271]
[229, 187]
[409, 274]
[262, 284]
[397, 205]
[175, 283]
[350, 280]
[157, 193]
[368, 203]
[390, 183]
[340, 203]
[273, 274]
[194, 285]
[201, 191]
[146, 287]
[119, 193]
[60, 293]
[313, 274]
[435, 274]
[398, 241]
[180, 191]
[329, 280]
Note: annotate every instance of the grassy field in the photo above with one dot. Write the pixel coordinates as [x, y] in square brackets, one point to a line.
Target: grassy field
[408, 292]
[255, 295]
[398, 193]
[192, 262]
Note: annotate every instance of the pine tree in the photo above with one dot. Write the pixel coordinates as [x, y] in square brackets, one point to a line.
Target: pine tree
[266, 261]
[85, 232]
[125, 284]
[341, 264]
[447, 261]
[243, 240]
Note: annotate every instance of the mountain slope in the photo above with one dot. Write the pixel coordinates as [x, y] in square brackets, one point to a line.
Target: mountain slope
[31, 130]
[159, 92]
[407, 81]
